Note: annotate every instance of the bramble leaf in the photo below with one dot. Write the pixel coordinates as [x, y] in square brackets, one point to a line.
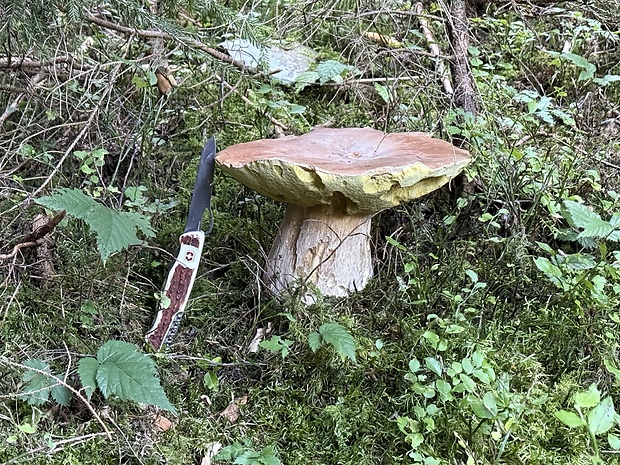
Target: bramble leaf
[330, 70]
[115, 230]
[87, 371]
[38, 387]
[123, 371]
[339, 338]
[277, 344]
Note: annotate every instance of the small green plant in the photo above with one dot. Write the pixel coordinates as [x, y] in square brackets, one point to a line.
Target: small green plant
[335, 335]
[91, 163]
[595, 415]
[326, 71]
[277, 344]
[115, 230]
[119, 369]
[583, 275]
[244, 454]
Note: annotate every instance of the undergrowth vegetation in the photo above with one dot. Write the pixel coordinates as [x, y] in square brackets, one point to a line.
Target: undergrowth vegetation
[490, 331]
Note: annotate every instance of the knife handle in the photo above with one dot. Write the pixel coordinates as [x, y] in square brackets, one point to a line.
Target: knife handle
[177, 290]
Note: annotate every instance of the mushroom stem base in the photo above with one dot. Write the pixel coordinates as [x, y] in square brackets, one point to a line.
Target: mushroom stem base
[317, 248]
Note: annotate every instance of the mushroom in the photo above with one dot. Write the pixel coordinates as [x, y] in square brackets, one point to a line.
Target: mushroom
[334, 181]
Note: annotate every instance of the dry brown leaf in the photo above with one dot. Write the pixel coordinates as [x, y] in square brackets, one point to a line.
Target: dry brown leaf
[231, 413]
[162, 423]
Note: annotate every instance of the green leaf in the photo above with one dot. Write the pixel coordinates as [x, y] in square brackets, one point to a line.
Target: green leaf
[61, 394]
[297, 109]
[481, 410]
[211, 381]
[38, 387]
[469, 383]
[414, 365]
[434, 365]
[27, 428]
[315, 340]
[614, 441]
[277, 344]
[115, 230]
[87, 371]
[588, 68]
[230, 452]
[580, 215]
[307, 77]
[601, 417]
[129, 374]
[570, 419]
[490, 403]
[330, 70]
[383, 92]
[339, 338]
[589, 398]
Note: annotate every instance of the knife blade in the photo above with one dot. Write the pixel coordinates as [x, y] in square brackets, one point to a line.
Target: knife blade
[183, 272]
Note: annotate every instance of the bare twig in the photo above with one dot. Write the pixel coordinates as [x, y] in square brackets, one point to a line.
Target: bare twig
[57, 446]
[441, 67]
[34, 83]
[78, 394]
[163, 35]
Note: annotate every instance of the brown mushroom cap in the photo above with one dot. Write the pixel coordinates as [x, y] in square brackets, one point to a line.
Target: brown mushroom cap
[356, 170]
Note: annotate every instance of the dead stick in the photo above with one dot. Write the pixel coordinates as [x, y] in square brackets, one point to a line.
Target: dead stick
[163, 35]
[441, 67]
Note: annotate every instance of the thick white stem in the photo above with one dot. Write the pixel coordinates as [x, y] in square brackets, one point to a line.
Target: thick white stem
[318, 247]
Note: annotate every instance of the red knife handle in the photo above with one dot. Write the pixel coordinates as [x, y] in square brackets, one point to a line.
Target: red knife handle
[177, 290]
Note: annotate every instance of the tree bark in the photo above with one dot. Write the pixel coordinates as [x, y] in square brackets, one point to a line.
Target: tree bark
[465, 91]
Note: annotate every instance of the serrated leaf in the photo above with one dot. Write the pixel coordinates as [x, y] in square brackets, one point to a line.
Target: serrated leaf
[578, 261]
[115, 230]
[307, 77]
[339, 338]
[330, 70]
[230, 452]
[277, 344]
[61, 394]
[38, 387]
[129, 374]
[580, 215]
[268, 457]
[601, 417]
[315, 340]
[87, 371]
[383, 92]
[570, 419]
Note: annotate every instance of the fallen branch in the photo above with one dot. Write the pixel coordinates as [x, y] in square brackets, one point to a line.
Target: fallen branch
[440, 66]
[12, 108]
[150, 34]
[37, 237]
